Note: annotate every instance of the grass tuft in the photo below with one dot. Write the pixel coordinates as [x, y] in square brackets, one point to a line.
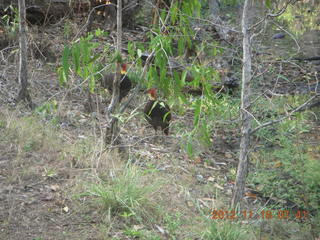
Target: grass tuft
[128, 195]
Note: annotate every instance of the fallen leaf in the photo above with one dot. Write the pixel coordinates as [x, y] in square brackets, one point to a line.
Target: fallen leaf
[218, 186]
[211, 179]
[207, 199]
[190, 204]
[209, 167]
[161, 230]
[198, 160]
[251, 195]
[137, 227]
[66, 209]
[278, 164]
[54, 187]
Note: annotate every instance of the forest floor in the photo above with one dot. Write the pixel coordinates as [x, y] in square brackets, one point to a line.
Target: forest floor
[50, 160]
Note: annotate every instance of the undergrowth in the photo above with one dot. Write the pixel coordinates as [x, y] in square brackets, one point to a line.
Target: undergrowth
[288, 168]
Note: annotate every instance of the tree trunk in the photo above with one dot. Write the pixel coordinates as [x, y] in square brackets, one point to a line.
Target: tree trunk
[23, 71]
[114, 129]
[160, 5]
[245, 109]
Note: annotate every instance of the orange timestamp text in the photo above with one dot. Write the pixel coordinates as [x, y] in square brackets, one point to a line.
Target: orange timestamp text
[264, 214]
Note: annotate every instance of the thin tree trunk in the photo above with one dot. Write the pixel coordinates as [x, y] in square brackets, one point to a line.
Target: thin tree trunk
[23, 71]
[114, 129]
[245, 110]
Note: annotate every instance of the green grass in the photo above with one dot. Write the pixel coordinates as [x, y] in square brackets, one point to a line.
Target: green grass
[225, 231]
[287, 168]
[128, 195]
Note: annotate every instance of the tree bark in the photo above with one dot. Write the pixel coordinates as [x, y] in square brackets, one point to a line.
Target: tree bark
[23, 71]
[245, 110]
[114, 129]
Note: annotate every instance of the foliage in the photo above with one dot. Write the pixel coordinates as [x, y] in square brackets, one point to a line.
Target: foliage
[308, 18]
[81, 58]
[174, 40]
[288, 171]
[10, 20]
[47, 111]
[67, 30]
[163, 40]
[125, 195]
[173, 222]
[207, 113]
[132, 233]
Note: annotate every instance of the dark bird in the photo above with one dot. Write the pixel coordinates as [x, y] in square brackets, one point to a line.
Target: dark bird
[157, 113]
[125, 82]
[278, 36]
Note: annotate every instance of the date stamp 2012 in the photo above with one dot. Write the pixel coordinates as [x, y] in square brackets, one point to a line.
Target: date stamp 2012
[264, 214]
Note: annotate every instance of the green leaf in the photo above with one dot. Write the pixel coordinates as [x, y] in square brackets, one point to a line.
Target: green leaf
[130, 48]
[99, 32]
[84, 46]
[165, 117]
[189, 146]
[153, 106]
[92, 84]
[163, 77]
[183, 77]
[152, 76]
[117, 57]
[89, 37]
[181, 46]
[62, 76]
[197, 111]
[76, 57]
[65, 63]
[139, 52]
[177, 84]
[205, 133]
[174, 12]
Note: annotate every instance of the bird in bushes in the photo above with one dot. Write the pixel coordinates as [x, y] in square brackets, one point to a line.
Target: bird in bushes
[157, 113]
[125, 82]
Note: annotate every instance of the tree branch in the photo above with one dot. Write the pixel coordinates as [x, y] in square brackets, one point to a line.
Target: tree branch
[281, 11]
[301, 107]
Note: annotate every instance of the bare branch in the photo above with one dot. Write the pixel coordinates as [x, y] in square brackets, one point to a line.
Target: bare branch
[269, 15]
[285, 117]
